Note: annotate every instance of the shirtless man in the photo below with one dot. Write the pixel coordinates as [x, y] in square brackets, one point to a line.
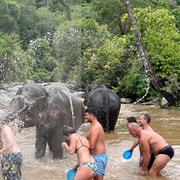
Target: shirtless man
[144, 121]
[151, 142]
[86, 166]
[11, 161]
[97, 142]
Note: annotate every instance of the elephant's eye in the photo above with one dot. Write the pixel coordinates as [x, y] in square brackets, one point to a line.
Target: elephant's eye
[28, 113]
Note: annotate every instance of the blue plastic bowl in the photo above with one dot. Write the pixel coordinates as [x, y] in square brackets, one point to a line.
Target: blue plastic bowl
[70, 174]
[127, 154]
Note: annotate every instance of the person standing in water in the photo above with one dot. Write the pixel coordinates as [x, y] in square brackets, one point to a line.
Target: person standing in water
[86, 166]
[144, 121]
[97, 142]
[151, 142]
[12, 158]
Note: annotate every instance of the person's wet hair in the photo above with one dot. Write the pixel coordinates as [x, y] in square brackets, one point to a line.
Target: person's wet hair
[68, 130]
[91, 110]
[131, 119]
[147, 117]
[133, 125]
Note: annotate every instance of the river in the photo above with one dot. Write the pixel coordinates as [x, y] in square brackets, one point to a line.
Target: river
[165, 122]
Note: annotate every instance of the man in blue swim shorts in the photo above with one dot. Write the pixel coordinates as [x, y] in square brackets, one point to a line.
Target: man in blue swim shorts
[101, 162]
[97, 143]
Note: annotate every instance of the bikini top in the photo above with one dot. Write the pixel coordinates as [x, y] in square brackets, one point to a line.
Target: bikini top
[82, 145]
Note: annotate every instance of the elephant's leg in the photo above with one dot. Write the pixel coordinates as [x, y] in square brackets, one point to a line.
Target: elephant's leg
[40, 143]
[112, 120]
[56, 142]
[50, 146]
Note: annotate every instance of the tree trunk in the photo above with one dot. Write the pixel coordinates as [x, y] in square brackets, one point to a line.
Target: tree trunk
[66, 4]
[147, 66]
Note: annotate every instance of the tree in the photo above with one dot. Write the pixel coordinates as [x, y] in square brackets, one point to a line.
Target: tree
[148, 68]
[28, 21]
[41, 64]
[47, 24]
[67, 5]
[9, 13]
[12, 59]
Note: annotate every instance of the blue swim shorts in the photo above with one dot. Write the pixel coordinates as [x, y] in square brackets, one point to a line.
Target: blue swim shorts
[101, 161]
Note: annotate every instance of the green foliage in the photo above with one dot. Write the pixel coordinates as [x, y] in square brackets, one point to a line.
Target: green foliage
[67, 44]
[12, 59]
[104, 64]
[41, 64]
[72, 39]
[161, 40]
[106, 12]
[9, 13]
[90, 41]
[176, 13]
[28, 29]
[134, 82]
[110, 13]
[93, 34]
[47, 24]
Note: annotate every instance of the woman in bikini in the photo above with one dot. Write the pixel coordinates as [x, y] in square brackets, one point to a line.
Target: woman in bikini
[86, 166]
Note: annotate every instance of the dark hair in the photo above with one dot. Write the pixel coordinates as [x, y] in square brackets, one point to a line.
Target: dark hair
[91, 110]
[147, 117]
[68, 130]
[131, 119]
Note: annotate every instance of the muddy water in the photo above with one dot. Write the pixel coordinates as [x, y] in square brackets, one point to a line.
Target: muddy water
[165, 122]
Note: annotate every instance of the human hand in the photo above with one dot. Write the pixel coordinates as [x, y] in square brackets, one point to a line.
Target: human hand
[75, 167]
[142, 172]
[64, 144]
[16, 120]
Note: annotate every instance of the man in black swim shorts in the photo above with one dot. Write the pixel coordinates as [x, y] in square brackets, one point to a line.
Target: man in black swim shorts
[167, 150]
[151, 142]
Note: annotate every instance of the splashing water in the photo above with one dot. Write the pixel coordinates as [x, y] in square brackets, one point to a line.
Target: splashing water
[11, 115]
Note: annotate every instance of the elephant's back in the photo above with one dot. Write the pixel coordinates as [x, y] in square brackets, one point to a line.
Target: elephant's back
[103, 97]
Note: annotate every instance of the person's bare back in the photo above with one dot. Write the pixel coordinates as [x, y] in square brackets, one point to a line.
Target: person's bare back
[155, 141]
[96, 138]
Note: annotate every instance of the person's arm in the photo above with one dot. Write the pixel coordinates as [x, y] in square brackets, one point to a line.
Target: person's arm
[71, 148]
[6, 139]
[92, 138]
[14, 128]
[146, 155]
[136, 142]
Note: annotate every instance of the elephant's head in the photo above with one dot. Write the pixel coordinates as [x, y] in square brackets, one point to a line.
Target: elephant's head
[28, 105]
[88, 89]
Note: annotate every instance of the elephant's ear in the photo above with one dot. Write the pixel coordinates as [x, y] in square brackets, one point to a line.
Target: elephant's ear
[43, 100]
[19, 91]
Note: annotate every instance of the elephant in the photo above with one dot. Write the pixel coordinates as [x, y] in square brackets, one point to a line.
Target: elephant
[48, 108]
[106, 102]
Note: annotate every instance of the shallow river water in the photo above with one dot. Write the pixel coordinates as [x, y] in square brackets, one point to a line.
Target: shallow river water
[165, 122]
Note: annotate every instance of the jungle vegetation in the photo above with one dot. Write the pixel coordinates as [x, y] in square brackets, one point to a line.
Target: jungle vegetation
[132, 47]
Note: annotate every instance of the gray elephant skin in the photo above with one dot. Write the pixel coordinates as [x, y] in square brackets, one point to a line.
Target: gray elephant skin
[106, 103]
[48, 108]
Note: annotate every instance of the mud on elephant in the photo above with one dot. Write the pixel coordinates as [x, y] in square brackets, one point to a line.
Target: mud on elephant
[48, 108]
[106, 102]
